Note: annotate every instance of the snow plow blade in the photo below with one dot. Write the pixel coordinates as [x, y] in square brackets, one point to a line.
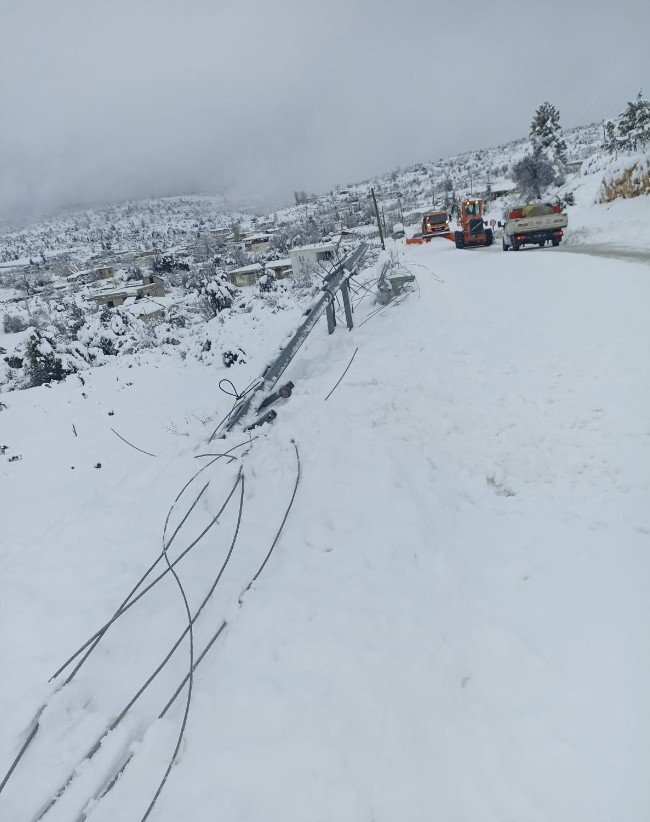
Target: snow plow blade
[418, 240]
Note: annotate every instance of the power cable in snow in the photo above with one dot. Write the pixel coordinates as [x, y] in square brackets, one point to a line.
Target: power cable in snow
[284, 519]
[116, 775]
[342, 375]
[126, 603]
[191, 620]
[97, 636]
[129, 603]
[190, 675]
[118, 719]
[142, 451]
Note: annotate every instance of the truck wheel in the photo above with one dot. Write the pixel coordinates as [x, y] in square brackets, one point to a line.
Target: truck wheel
[505, 244]
[541, 243]
[458, 237]
[515, 247]
[489, 236]
[556, 243]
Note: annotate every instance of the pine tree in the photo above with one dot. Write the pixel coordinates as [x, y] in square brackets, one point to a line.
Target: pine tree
[43, 366]
[546, 134]
[634, 124]
[611, 142]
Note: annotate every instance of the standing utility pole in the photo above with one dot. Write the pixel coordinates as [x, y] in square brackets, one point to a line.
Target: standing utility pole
[381, 233]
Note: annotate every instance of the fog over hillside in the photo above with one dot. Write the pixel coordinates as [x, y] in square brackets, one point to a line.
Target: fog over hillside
[118, 99]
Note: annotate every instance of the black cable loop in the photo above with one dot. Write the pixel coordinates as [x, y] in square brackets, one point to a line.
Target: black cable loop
[234, 393]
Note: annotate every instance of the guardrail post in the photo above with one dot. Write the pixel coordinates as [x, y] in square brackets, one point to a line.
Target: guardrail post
[345, 293]
[331, 316]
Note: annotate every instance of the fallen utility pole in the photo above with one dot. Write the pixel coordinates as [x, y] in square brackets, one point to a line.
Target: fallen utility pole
[381, 233]
[337, 280]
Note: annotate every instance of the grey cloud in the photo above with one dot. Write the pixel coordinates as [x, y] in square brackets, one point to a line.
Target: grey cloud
[102, 100]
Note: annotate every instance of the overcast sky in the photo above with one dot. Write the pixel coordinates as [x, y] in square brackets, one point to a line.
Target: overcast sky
[107, 99]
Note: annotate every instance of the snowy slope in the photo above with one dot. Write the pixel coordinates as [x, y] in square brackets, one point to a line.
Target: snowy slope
[454, 620]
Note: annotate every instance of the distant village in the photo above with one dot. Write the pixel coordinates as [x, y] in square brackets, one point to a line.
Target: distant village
[135, 280]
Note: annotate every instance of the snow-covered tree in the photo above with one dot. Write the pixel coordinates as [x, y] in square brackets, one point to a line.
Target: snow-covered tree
[545, 163]
[634, 124]
[629, 131]
[43, 365]
[217, 294]
[533, 173]
[611, 141]
[546, 134]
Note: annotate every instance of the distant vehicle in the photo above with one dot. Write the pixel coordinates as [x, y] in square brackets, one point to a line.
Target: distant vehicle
[434, 224]
[473, 229]
[532, 224]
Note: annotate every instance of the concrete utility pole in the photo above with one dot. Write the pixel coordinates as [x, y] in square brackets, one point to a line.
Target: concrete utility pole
[381, 233]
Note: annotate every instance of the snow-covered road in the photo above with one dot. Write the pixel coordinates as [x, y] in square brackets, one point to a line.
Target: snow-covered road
[608, 251]
[455, 620]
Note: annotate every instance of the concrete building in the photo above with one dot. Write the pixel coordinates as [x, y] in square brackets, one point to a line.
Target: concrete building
[151, 286]
[250, 274]
[91, 275]
[311, 259]
[256, 242]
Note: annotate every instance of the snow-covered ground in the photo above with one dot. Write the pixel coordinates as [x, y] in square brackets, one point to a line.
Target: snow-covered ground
[454, 622]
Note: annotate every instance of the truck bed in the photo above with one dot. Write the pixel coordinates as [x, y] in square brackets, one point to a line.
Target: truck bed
[530, 224]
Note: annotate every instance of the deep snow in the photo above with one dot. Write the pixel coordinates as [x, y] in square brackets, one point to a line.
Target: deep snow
[455, 620]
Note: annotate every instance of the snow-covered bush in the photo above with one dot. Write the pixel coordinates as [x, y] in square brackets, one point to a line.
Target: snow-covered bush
[112, 332]
[42, 364]
[13, 323]
[217, 294]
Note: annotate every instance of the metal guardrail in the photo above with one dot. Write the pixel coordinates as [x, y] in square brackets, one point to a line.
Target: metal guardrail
[333, 282]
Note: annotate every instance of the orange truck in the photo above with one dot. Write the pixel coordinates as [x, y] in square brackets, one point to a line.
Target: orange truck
[434, 224]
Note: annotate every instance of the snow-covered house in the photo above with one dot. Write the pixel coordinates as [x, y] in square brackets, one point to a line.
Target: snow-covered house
[256, 242]
[250, 274]
[91, 275]
[312, 258]
[151, 286]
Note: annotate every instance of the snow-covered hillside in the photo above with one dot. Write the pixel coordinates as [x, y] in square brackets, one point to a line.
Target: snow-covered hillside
[452, 622]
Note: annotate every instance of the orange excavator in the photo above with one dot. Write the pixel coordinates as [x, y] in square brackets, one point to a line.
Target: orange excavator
[473, 229]
[434, 224]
